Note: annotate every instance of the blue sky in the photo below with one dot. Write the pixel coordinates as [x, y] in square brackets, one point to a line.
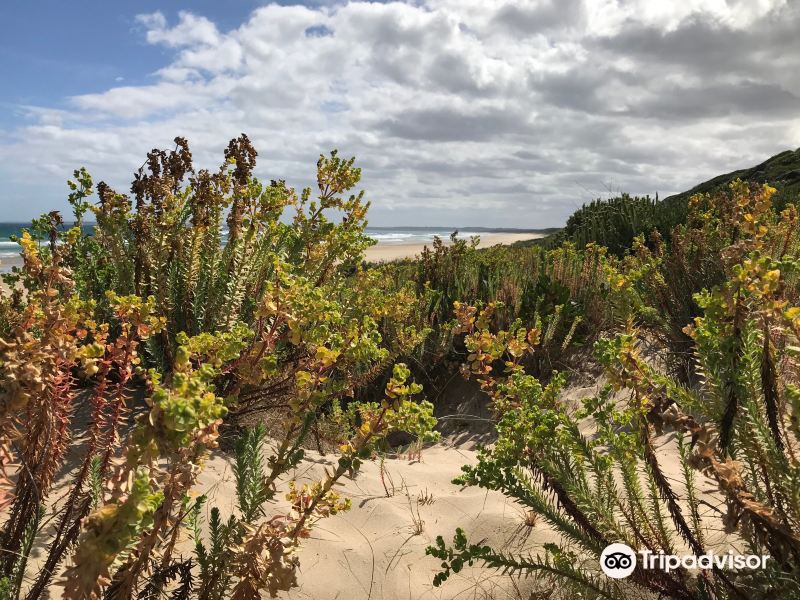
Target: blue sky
[461, 112]
[51, 49]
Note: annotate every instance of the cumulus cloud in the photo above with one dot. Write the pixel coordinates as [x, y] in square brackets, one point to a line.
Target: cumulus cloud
[509, 113]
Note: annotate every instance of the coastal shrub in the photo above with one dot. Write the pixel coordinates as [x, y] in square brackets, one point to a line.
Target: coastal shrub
[210, 246]
[127, 501]
[667, 275]
[594, 473]
[113, 363]
[526, 284]
[212, 251]
[615, 222]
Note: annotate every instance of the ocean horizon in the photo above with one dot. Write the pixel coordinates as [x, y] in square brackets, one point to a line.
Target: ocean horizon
[383, 235]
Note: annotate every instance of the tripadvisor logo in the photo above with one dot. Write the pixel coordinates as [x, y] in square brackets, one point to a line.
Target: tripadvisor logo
[619, 561]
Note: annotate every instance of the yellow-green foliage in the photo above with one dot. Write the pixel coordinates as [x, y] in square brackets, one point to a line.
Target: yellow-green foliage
[738, 426]
[136, 343]
[154, 314]
[568, 286]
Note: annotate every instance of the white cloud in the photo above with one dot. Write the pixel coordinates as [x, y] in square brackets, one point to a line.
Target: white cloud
[460, 111]
[191, 30]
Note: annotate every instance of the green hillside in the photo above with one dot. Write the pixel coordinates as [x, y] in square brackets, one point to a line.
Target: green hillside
[781, 171]
[614, 222]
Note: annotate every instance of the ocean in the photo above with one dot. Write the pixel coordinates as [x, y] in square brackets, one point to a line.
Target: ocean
[407, 235]
[7, 247]
[384, 235]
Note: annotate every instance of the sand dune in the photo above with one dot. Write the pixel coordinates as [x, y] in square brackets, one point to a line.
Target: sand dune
[376, 551]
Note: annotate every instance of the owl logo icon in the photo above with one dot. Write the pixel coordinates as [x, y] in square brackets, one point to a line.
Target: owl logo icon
[618, 561]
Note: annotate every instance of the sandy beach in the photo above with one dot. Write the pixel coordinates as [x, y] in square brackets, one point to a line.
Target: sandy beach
[6, 262]
[394, 251]
[380, 252]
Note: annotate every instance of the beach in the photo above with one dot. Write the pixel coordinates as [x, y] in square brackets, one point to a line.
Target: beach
[400, 300]
[388, 251]
[9, 261]
[383, 251]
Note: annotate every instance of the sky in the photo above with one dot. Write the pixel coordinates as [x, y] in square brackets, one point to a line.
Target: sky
[503, 113]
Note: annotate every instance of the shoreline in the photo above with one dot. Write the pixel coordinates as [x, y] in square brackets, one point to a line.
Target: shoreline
[381, 252]
[387, 252]
[7, 262]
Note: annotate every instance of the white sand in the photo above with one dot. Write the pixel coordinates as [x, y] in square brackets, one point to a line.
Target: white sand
[7, 262]
[388, 252]
[373, 550]
[376, 551]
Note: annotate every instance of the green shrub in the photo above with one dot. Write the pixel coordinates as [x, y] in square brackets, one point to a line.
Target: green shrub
[154, 313]
[739, 428]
